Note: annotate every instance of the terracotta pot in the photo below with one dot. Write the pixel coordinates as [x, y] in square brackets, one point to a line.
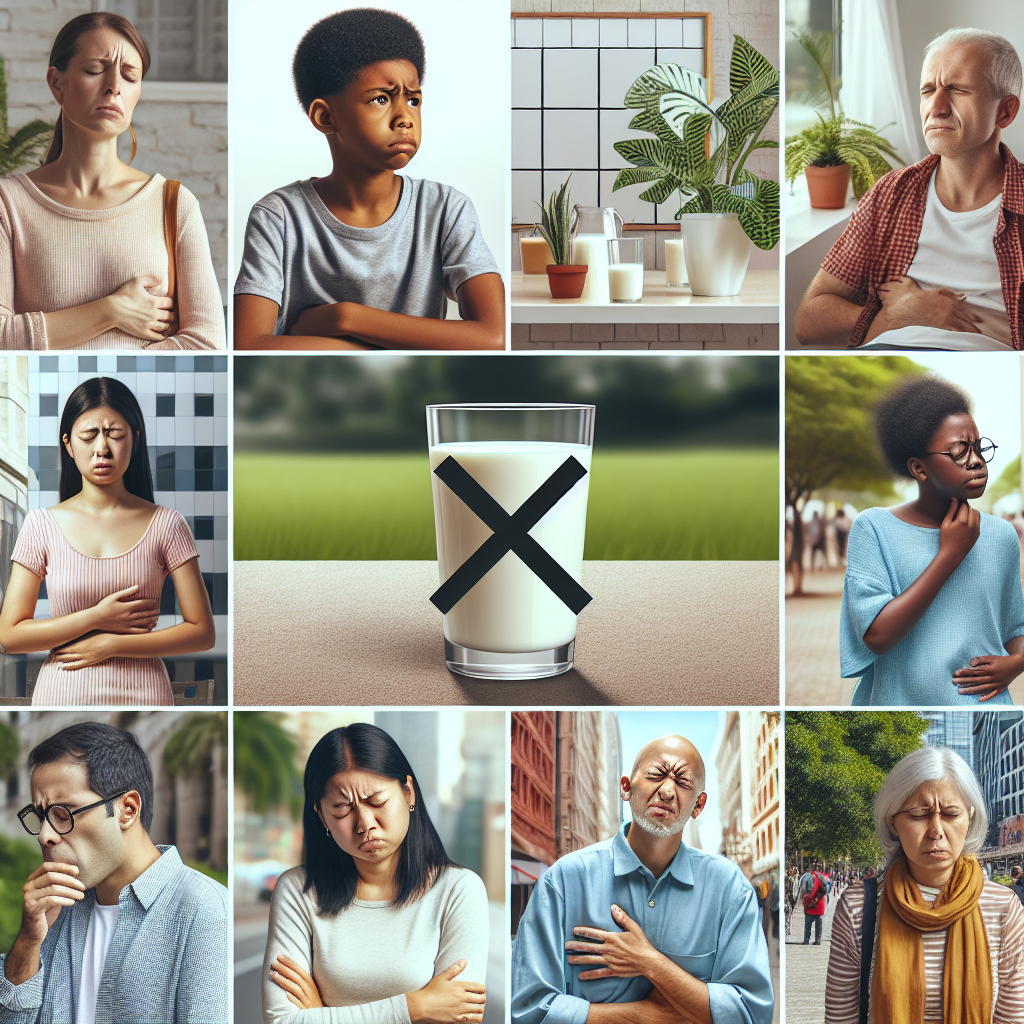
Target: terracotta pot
[828, 186]
[566, 281]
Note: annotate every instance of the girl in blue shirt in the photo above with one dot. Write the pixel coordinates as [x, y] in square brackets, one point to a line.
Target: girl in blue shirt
[933, 611]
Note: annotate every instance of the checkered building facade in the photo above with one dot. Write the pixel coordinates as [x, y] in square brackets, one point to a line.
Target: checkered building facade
[185, 403]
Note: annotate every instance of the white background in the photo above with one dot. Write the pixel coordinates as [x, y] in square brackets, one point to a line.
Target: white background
[466, 100]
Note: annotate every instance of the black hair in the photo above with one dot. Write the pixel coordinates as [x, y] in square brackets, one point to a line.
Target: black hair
[91, 394]
[338, 47]
[908, 416]
[330, 872]
[112, 757]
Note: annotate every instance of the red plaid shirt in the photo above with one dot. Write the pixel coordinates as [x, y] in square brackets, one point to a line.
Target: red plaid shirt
[880, 242]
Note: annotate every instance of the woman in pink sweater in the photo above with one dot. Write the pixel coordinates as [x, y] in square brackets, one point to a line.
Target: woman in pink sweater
[83, 257]
[104, 553]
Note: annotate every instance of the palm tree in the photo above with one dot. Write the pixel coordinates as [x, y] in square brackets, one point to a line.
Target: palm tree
[27, 143]
[265, 768]
[201, 740]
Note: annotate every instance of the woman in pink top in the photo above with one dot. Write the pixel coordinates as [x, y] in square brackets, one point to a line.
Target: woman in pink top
[83, 260]
[104, 552]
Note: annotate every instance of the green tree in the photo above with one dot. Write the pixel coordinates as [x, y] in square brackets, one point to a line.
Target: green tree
[18, 859]
[202, 740]
[1006, 483]
[8, 750]
[835, 763]
[830, 436]
[265, 768]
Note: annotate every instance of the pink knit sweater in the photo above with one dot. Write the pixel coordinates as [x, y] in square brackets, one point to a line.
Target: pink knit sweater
[55, 257]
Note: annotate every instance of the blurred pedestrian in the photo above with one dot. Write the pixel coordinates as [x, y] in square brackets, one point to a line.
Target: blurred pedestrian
[812, 888]
[773, 905]
[816, 538]
[1017, 881]
[841, 524]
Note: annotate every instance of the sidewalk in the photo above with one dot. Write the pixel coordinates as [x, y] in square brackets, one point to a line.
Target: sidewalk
[805, 969]
[812, 645]
[812, 642]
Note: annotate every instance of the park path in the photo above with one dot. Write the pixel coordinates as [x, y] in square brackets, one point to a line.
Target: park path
[812, 645]
[805, 969]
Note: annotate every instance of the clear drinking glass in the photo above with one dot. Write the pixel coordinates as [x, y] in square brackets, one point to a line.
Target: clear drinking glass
[510, 624]
[626, 269]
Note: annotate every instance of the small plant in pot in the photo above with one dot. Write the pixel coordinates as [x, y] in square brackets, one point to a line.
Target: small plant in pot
[700, 153]
[565, 279]
[837, 149]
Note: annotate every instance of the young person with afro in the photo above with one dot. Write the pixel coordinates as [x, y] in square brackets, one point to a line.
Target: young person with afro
[364, 257]
[933, 612]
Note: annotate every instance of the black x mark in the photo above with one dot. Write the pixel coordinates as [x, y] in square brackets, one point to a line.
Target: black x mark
[510, 534]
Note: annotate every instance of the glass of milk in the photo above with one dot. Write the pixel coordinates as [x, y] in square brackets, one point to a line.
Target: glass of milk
[510, 625]
[675, 263]
[625, 269]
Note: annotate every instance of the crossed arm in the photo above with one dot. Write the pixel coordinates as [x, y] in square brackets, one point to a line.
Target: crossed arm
[118, 626]
[828, 313]
[349, 325]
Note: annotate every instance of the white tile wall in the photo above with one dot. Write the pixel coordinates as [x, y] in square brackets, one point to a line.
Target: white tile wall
[570, 138]
[526, 66]
[586, 32]
[570, 77]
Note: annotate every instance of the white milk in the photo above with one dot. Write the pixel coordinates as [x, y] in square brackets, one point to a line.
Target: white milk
[510, 611]
[626, 282]
[675, 262]
[591, 251]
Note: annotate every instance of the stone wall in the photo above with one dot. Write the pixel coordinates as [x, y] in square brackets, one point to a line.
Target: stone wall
[181, 126]
[626, 337]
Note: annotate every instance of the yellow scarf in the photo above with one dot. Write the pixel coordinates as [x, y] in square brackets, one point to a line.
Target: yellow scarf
[897, 992]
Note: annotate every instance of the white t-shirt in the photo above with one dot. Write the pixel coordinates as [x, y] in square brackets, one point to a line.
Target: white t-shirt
[97, 941]
[956, 251]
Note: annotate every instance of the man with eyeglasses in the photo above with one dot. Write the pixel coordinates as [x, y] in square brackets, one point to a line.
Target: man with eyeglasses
[114, 929]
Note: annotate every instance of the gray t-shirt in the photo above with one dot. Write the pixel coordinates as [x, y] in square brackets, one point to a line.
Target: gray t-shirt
[298, 254]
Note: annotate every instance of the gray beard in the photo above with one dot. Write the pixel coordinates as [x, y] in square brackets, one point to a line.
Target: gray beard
[653, 828]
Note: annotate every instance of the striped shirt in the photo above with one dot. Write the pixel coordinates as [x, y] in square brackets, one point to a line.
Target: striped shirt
[1003, 917]
[75, 582]
[167, 962]
[880, 242]
[55, 257]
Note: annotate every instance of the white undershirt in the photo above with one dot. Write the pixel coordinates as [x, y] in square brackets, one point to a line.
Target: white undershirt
[97, 941]
[956, 251]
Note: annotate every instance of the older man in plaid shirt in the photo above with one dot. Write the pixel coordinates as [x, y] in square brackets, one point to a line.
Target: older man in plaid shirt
[933, 256]
[114, 929]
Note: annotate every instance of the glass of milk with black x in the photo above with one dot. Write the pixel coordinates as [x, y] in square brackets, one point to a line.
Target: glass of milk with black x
[510, 487]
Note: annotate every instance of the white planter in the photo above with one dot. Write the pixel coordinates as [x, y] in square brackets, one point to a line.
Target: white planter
[717, 252]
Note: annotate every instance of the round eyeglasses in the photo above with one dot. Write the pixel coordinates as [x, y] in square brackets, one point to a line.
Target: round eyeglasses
[60, 817]
[960, 451]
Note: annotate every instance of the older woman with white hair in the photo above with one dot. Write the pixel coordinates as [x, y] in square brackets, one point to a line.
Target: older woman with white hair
[931, 938]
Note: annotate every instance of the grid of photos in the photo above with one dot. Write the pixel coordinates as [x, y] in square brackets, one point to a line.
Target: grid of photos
[511, 512]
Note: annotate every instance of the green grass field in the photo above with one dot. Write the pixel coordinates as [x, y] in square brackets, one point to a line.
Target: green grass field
[643, 505]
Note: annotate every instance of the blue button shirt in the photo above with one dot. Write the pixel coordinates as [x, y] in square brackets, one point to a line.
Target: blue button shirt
[705, 919]
[167, 960]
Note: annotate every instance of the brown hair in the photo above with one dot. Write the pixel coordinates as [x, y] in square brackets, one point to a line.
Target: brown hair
[66, 43]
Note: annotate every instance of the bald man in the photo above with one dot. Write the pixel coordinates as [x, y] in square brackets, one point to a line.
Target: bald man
[641, 929]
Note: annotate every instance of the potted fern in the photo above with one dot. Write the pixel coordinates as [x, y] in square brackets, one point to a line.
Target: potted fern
[837, 149]
[565, 279]
[26, 144]
[700, 153]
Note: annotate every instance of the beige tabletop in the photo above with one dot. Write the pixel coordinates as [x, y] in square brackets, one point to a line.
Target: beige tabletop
[361, 633]
[756, 303]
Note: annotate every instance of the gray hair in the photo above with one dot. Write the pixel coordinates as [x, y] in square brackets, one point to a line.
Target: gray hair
[928, 764]
[1004, 71]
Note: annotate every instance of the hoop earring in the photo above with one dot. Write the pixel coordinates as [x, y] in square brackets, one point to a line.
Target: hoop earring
[327, 830]
[135, 145]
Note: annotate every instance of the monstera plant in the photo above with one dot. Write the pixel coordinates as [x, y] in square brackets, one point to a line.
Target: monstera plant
[700, 152]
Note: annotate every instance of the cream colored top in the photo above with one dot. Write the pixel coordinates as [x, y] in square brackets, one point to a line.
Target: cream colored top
[55, 257]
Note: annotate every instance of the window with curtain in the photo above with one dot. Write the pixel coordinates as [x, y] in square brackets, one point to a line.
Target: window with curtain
[187, 39]
[802, 77]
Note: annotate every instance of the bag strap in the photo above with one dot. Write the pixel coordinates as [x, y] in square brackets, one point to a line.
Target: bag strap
[171, 189]
[867, 944]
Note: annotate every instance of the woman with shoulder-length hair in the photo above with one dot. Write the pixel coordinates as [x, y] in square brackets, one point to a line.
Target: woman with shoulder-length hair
[104, 553]
[93, 252]
[945, 943]
[378, 926]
